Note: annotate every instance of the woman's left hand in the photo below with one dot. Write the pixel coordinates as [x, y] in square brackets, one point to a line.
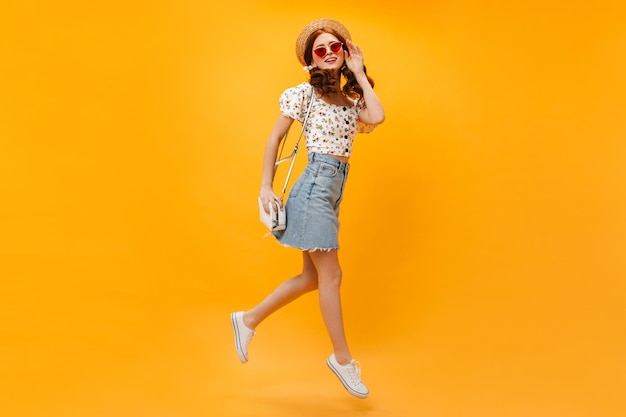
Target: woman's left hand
[354, 57]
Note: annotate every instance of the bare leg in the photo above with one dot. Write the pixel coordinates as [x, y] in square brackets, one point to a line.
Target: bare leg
[329, 279]
[284, 293]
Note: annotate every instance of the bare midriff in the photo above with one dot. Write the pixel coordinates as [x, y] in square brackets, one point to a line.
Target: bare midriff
[341, 158]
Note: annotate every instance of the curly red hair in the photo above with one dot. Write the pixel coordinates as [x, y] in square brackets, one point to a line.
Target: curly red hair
[323, 80]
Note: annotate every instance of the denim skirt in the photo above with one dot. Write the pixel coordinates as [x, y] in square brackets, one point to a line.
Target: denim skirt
[313, 205]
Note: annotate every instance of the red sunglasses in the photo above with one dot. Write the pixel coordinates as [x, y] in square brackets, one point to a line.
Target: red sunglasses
[321, 51]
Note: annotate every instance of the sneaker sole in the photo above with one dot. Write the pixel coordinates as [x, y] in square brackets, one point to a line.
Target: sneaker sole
[242, 357]
[345, 385]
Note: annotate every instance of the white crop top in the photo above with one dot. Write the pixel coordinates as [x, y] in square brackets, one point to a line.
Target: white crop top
[331, 128]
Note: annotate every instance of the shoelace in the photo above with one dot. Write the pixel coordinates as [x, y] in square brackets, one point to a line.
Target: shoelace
[354, 372]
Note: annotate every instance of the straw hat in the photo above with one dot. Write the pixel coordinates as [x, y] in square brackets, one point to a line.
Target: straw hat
[312, 27]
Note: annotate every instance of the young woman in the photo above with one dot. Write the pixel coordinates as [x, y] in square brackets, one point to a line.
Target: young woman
[344, 104]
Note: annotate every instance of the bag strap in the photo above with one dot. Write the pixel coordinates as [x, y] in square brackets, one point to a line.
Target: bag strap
[295, 149]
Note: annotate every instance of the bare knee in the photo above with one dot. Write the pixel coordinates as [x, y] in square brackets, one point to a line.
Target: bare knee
[330, 277]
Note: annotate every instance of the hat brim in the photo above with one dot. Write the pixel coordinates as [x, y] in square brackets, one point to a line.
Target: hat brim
[313, 27]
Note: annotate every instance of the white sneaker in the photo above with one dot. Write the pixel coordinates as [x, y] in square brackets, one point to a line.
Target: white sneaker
[243, 335]
[350, 376]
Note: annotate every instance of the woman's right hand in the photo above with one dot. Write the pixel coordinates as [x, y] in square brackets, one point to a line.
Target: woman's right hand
[268, 196]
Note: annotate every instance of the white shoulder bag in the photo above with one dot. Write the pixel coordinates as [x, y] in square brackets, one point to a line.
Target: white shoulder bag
[277, 220]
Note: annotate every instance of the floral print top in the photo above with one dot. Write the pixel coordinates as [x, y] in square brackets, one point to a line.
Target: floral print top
[331, 128]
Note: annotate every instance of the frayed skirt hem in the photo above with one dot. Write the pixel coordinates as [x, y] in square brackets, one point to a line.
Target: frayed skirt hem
[307, 249]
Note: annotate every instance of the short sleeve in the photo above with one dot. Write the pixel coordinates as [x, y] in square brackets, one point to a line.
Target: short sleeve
[363, 127]
[295, 100]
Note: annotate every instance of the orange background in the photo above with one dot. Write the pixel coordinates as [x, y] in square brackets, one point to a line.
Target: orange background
[483, 229]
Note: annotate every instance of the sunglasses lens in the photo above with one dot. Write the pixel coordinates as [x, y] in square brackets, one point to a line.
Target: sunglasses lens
[321, 51]
[335, 47]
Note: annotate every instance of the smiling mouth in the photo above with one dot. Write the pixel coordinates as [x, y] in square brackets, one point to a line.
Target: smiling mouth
[330, 60]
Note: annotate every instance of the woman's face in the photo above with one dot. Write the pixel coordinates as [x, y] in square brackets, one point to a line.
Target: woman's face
[327, 52]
